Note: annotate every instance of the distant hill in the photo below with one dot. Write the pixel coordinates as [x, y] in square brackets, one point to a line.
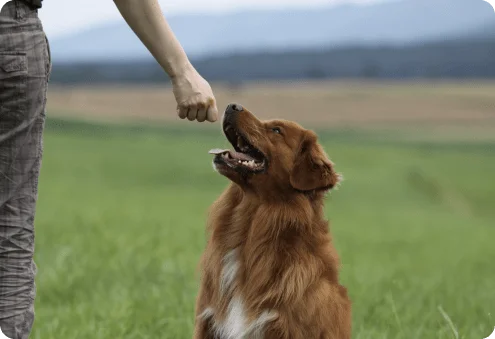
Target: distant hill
[392, 23]
[455, 59]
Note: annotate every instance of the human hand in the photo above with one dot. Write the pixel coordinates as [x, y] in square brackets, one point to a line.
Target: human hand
[194, 96]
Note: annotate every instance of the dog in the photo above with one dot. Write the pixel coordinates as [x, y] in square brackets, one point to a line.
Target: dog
[269, 270]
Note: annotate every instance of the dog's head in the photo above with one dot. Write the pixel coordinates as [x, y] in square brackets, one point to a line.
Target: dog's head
[272, 157]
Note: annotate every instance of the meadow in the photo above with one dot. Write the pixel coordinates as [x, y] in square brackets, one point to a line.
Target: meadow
[121, 216]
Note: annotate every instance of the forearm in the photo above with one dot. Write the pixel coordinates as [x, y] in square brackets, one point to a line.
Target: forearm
[195, 99]
[147, 21]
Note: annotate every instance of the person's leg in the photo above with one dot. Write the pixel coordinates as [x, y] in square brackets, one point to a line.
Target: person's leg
[24, 70]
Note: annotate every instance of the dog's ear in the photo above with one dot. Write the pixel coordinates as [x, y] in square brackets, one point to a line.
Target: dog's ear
[312, 169]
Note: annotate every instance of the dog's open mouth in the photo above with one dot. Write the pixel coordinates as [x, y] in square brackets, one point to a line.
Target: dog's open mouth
[245, 158]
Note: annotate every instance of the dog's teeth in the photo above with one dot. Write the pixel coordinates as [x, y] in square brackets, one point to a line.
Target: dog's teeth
[240, 143]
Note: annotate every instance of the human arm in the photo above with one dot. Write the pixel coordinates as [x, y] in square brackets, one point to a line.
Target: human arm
[194, 96]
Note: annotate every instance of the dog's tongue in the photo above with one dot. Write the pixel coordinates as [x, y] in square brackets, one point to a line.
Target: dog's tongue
[233, 154]
[217, 151]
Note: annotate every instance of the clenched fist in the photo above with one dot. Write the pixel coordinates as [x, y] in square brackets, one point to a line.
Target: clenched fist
[195, 99]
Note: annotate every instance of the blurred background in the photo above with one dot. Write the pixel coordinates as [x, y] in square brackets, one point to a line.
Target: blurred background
[401, 93]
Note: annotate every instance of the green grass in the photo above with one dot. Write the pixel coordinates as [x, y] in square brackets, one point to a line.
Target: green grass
[120, 228]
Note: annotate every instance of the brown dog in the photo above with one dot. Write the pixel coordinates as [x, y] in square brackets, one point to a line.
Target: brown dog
[269, 270]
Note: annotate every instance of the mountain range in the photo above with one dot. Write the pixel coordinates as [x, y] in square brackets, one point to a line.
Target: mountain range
[391, 23]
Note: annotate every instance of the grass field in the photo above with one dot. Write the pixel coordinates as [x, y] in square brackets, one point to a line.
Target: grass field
[121, 216]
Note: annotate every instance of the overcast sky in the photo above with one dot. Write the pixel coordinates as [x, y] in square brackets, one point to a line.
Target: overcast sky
[66, 16]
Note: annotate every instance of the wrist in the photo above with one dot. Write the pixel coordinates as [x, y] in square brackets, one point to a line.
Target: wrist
[180, 69]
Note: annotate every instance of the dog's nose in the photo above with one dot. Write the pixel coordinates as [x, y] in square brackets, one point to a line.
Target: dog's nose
[232, 108]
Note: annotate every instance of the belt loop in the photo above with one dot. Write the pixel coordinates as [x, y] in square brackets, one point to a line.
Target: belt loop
[18, 15]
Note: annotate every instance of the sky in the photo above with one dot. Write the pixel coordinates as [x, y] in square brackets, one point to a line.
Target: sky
[63, 17]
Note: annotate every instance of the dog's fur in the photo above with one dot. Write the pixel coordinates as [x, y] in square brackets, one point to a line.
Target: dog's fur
[269, 270]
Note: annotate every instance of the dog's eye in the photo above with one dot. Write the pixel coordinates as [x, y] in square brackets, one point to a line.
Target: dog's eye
[276, 130]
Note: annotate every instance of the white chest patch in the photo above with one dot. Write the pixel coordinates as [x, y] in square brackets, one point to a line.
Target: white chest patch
[235, 324]
[229, 271]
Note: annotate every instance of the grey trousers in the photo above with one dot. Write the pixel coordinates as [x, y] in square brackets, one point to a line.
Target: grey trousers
[24, 70]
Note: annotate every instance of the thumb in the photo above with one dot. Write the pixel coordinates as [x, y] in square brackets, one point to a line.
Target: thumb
[212, 113]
